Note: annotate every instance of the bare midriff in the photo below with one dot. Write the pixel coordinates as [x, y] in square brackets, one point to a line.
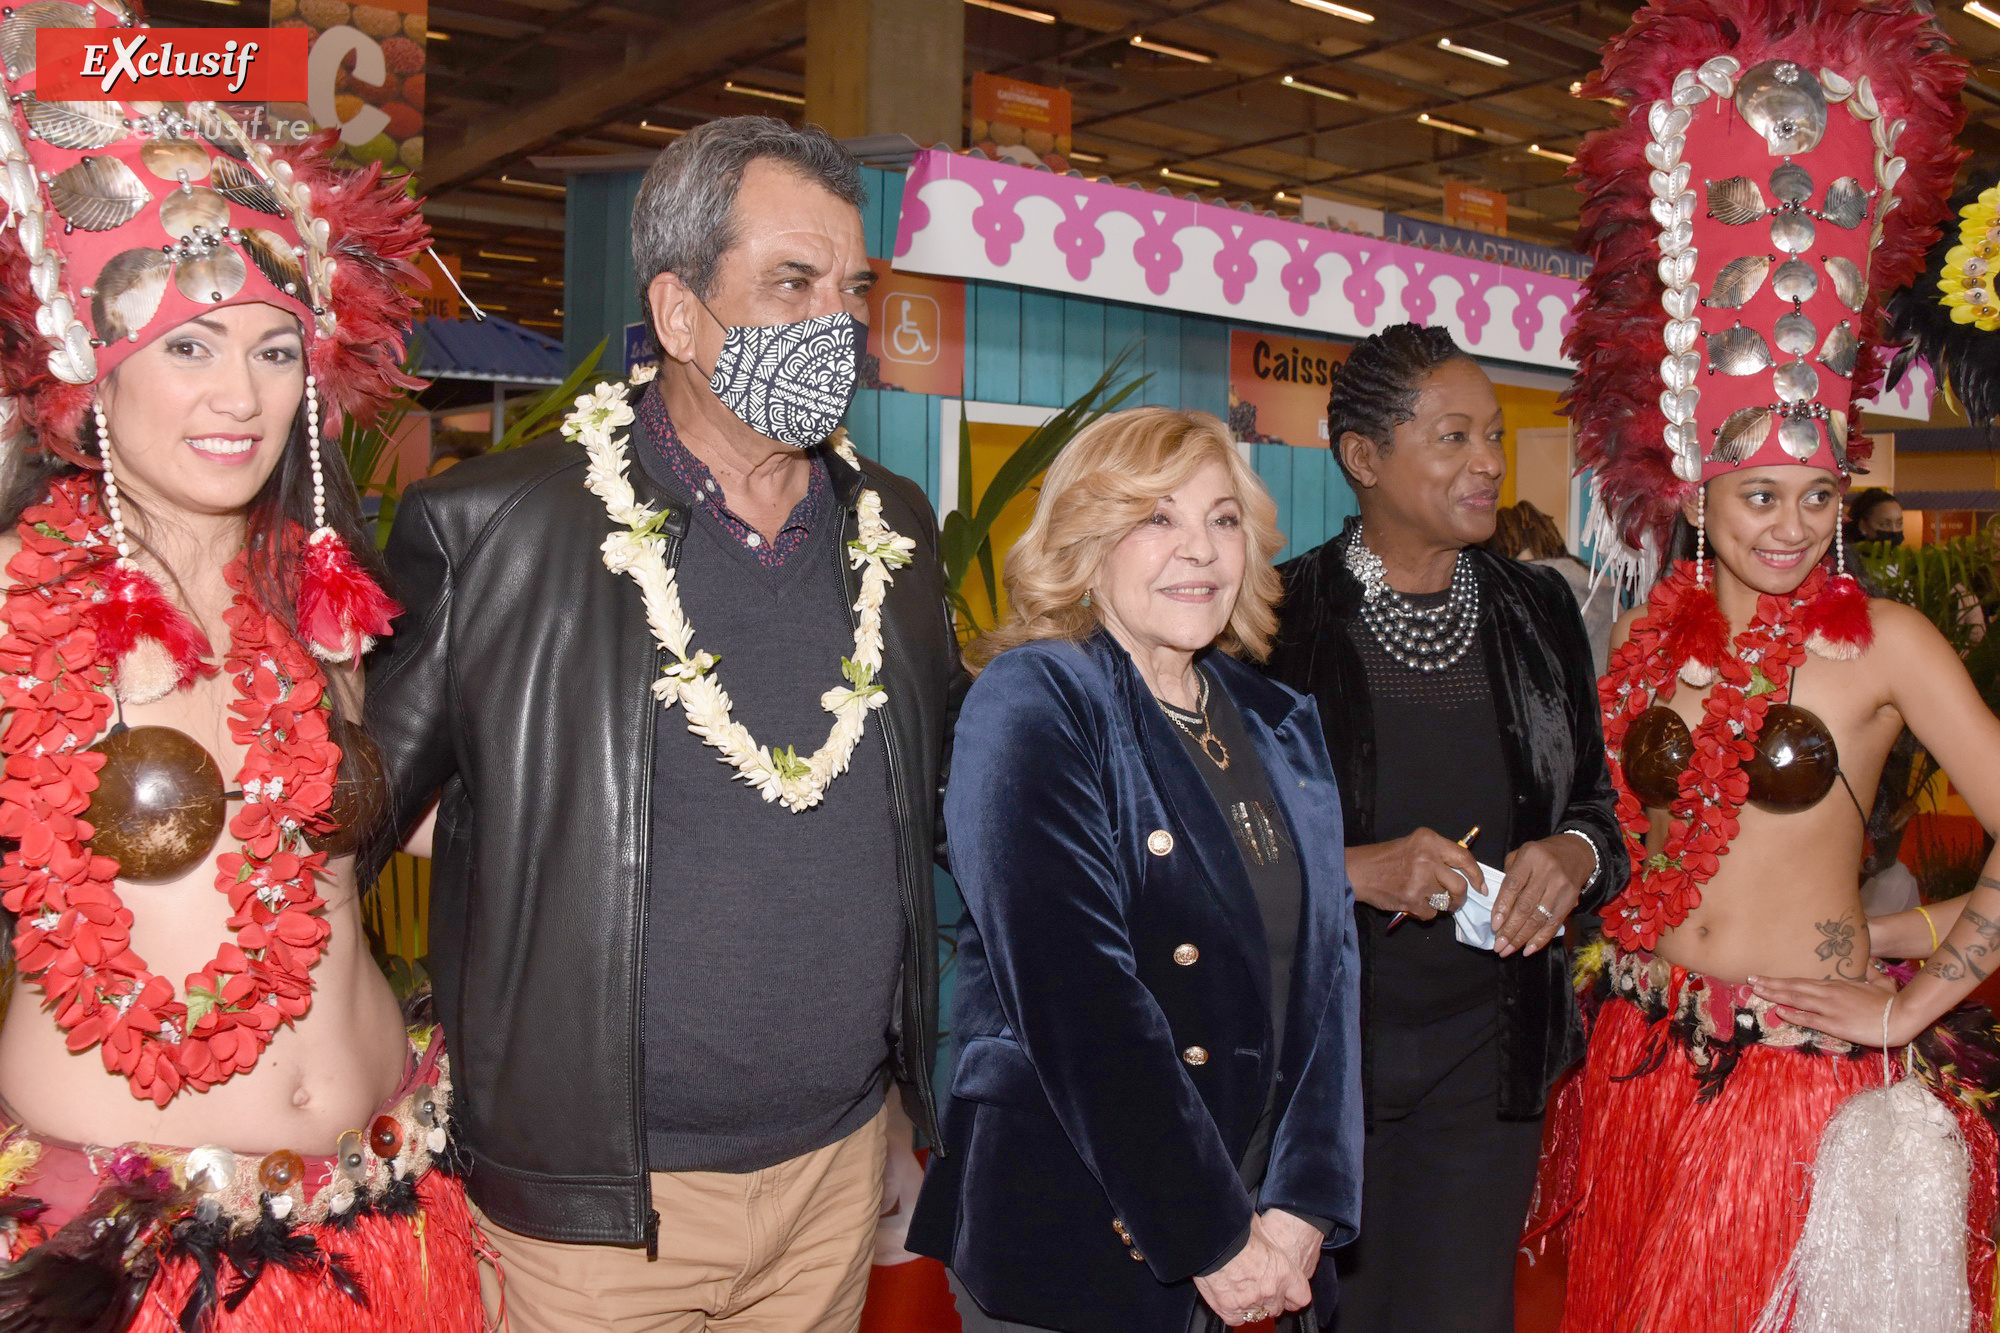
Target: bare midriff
[1786, 901]
[317, 1079]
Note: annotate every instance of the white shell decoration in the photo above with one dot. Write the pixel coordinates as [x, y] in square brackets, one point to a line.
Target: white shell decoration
[1688, 90]
[1666, 156]
[1681, 301]
[1668, 121]
[209, 1169]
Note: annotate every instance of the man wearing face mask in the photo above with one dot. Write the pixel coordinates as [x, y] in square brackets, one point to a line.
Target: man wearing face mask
[679, 684]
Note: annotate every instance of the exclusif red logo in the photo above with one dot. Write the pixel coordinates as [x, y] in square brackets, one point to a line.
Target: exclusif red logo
[177, 64]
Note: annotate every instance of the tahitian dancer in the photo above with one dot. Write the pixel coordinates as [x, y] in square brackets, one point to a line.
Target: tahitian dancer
[1716, 1165]
[186, 316]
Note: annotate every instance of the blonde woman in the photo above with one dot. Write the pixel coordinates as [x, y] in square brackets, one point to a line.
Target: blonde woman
[1155, 1116]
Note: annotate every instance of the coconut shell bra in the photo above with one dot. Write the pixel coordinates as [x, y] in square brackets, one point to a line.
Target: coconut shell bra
[160, 807]
[1792, 764]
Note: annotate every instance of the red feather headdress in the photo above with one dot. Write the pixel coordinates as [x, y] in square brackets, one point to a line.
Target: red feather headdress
[125, 220]
[1782, 166]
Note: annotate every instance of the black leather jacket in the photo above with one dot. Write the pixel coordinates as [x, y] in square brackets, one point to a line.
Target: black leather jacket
[1544, 679]
[517, 683]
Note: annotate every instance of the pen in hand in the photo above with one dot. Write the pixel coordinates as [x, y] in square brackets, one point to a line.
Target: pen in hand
[1465, 841]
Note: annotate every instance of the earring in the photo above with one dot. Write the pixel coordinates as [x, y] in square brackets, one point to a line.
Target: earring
[111, 505]
[1084, 601]
[1701, 537]
[312, 446]
[1839, 552]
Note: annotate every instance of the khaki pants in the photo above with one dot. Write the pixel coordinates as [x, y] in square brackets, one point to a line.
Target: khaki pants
[782, 1250]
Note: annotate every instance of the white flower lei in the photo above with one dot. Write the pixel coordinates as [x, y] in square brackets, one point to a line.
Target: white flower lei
[638, 549]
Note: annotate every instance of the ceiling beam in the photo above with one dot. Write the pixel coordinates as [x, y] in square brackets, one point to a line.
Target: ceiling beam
[590, 102]
[1308, 62]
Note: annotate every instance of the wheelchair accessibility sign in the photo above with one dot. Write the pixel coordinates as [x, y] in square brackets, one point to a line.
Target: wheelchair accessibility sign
[912, 334]
[916, 332]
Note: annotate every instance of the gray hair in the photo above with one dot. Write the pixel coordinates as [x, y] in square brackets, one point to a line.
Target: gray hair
[684, 221]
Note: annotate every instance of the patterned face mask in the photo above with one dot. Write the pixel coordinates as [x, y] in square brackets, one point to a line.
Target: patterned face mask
[789, 382]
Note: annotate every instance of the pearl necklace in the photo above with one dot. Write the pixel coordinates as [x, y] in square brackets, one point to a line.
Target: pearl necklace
[1422, 638]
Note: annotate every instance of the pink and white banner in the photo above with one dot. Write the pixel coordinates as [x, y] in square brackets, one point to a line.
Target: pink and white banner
[969, 217]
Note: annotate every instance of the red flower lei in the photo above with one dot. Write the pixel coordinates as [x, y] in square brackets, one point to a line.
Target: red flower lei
[1683, 624]
[73, 932]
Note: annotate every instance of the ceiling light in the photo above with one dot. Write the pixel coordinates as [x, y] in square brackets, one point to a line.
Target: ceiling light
[1283, 198]
[1984, 13]
[1428, 119]
[1472, 53]
[473, 273]
[1082, 156]
[433, 35]
[1348, 12]
[1018, 11]
[661, 129]
[225, 2]
[1145, 43]
[1208, 181]
[1550, 153]
[550, 280]
[767, 94]
[488, 305]
[1318, 89]
[533, 185]
[516, 259]
[1575, 87]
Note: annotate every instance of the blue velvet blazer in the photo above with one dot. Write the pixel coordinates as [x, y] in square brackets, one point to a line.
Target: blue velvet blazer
[1112, 1022]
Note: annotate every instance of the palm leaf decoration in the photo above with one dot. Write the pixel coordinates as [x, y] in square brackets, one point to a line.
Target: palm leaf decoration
[966, 537]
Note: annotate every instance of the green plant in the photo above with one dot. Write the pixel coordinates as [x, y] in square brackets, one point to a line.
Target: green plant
[966, 536]
[1949, 582]
[1944, 580]
[533, 416]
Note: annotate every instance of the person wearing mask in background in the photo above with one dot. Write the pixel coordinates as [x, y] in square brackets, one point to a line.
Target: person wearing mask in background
[682, 680]
[1523, 532]
[1875, 515]
[1459, 696]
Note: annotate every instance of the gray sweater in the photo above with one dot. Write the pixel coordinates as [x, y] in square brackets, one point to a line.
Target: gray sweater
[773, 940]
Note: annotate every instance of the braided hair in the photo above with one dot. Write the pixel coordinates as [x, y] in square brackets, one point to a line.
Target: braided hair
[1375, 389]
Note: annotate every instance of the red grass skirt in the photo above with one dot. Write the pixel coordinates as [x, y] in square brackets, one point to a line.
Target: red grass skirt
[1679, 1210]
[138, 1236]
[420, 1274]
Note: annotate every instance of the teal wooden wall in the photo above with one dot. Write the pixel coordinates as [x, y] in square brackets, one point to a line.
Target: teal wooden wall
[600, 292]
[1026, 347]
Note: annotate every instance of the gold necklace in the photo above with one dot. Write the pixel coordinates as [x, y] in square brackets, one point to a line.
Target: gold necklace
[1219, 755]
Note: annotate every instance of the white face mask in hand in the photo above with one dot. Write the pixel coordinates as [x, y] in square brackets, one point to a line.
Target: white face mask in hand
[789, 382]
[1473, 922]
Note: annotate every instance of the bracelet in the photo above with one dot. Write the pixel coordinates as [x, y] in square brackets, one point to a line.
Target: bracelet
[1596, 857]
[1932, 924]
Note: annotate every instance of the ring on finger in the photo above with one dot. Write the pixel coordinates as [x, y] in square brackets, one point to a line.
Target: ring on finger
[1253, 1314]
[1543, 908]
[1439, 901]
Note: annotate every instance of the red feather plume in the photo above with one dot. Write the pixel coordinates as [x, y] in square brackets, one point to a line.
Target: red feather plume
[378, 229]
[135, 608]
[1837, 623]
[1617, 335]
[341, 609]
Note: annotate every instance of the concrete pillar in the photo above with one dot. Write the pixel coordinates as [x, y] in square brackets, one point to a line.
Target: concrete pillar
[886, 67]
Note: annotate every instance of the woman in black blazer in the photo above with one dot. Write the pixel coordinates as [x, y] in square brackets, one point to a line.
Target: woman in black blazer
[1155, 1112]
